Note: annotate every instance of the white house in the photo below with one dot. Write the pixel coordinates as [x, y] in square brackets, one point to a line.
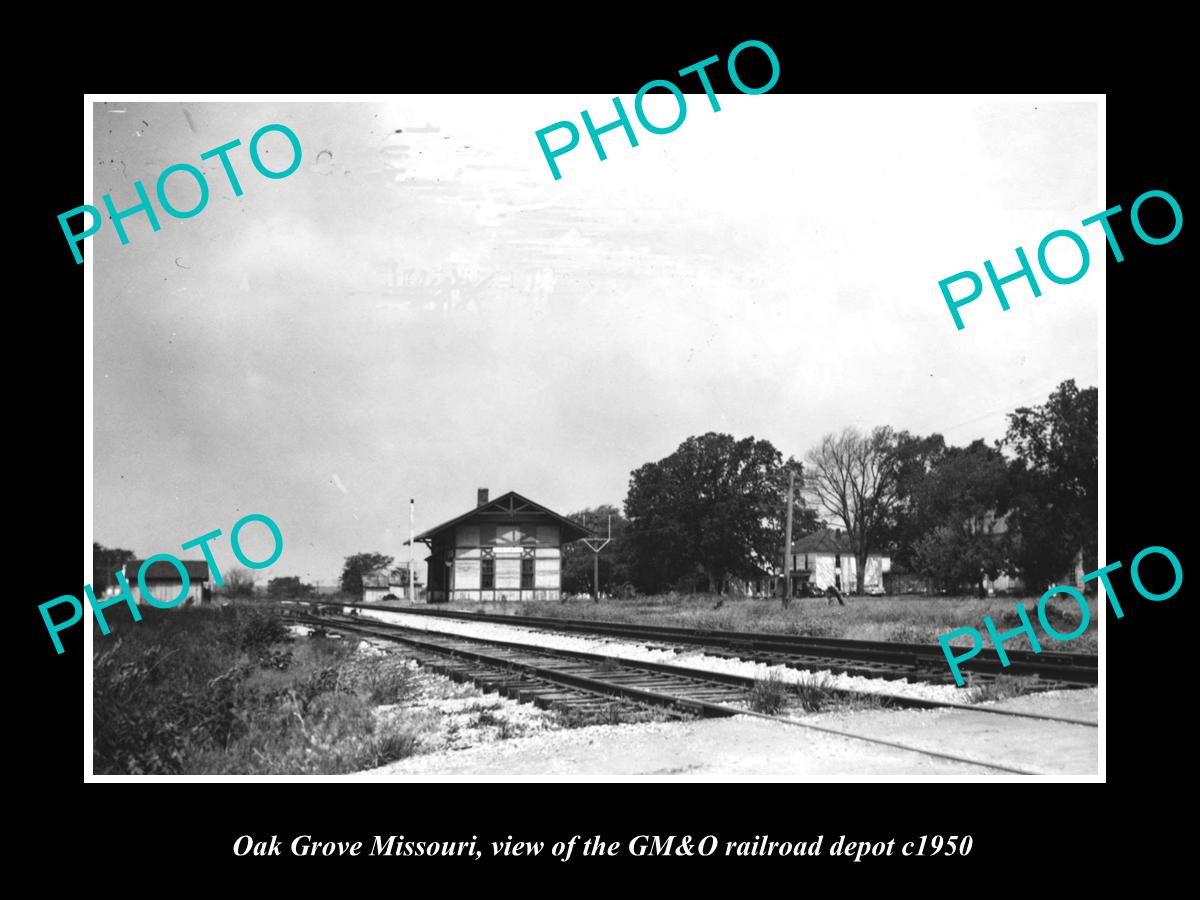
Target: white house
[826, 557]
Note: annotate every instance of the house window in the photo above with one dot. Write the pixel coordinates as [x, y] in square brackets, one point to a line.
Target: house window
[487, 573]
[527, 571]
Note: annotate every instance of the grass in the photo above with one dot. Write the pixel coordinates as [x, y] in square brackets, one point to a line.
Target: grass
[1001, 688]
[225, 690]
[769, 695]
[910, 618]
[773, 695]
[487, 718]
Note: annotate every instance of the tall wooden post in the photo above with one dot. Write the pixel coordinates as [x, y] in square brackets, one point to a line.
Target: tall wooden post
[412, 594]
[787, 541]
[596, 545]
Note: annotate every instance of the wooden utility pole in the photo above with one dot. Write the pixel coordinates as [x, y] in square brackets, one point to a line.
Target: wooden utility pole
[412, 594]
[787, 542]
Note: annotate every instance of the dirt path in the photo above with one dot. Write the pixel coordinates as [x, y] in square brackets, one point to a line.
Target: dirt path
[749, 748]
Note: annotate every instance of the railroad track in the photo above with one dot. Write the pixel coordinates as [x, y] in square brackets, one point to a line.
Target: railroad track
[586, 683]
[589, 683]
[871, 659]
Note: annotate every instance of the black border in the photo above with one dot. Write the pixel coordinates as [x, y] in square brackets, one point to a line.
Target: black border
[1147, 447]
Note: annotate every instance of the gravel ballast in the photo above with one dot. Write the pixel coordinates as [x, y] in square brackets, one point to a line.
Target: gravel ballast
[695, 659]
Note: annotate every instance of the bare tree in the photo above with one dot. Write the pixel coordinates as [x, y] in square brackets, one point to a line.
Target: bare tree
[238, 582]
[854, 478]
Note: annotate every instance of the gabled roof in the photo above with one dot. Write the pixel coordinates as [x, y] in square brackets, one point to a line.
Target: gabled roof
[827, 540]
[162, 570]
[509, 508]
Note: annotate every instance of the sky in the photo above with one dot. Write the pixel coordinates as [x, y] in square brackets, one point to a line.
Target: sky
[421, 309]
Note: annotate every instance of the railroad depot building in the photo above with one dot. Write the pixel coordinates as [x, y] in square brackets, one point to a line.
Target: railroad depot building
[509, 548]
[164, 582]
[826, 559]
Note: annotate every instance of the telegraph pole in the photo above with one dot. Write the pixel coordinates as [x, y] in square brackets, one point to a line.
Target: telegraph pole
[787, 541]
[596, 545]
[412, 594]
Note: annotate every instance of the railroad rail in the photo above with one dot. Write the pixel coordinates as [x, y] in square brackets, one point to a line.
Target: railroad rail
[870, 659]
[681, 682]
[589, 682]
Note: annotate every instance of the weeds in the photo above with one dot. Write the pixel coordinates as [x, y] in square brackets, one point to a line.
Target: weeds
[769, 695]
[488, 718]
[387, 680]
[223, 690]
[1001, 688]
[816, 694]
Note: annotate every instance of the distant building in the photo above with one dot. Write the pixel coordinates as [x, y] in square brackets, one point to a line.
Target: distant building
[509, 548]
[164, 582]
[387, 585]
[826, 558]
[1004, 583]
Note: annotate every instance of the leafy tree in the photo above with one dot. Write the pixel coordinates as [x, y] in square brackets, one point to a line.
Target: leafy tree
[1056, 474]
[959, 507]
[238, 582]
[287, 587]
[105, 562]
[711, 509]
[915, 459]
[854, 477]
[357, 566]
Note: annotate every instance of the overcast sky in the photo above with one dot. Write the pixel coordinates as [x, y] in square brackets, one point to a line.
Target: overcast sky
[421, 309]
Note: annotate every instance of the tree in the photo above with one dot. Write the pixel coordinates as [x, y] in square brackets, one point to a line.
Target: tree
[288, 587]
[106, 561]
[1057, 480]
[357, 566]
[711, 510]
[915, 459]
[577, 557]
[238, 582]
[854, 477]
[959, 505]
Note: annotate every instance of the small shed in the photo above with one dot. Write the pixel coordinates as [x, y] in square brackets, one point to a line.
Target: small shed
[386, 585]
[164, 582]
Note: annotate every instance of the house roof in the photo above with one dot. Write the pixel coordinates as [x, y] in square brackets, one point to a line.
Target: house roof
[508, 507]
[162, 570]
[387, 578]
[827, 540]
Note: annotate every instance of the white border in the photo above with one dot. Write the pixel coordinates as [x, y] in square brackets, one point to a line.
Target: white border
[88, 498]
